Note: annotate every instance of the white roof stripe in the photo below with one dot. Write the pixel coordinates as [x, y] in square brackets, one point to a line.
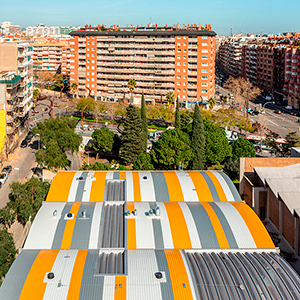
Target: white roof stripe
[165, 227]
[109, 287]
[62, 269]
[238, 226]
[110, 175]
[42, 233]
[141, 282]
[129, 187]
[225, 186]
[74, 186]
[88, 187]
[144, 228]
[187, 186]
[192, 229]
[147, 188]
[94, 235]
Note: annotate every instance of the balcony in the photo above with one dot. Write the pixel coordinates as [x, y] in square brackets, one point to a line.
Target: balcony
[12, 83]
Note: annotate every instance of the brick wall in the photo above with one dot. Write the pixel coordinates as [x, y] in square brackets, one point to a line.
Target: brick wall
[288, 225]
[274, 209]
[262, 203]
[247, 196]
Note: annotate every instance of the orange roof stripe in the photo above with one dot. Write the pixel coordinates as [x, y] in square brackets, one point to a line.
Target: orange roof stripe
[60, 187]
[179, 278]
[122, 175]
[136, 187]
[75, 283]
[258, 231]
[220, 234]
[178, 226]
[120, 288]
[98, 187]
[202, 189]
[131, 232]
[217, 185]
[34, 286]
[174, 187]
[69, 228]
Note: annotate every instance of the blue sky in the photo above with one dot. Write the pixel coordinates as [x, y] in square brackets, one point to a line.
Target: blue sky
[256, 16]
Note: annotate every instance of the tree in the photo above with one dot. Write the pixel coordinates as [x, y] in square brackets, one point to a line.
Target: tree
[85, 104]
[170, 97]
[143, 162]
[26, 199]
[36, 94]
[185, 122]
[198, 141]
[7, 252]
[173, 147]
[211, 102]
[131, 84]
[74, 87]
[216, 144]
[270, 141]
[104, 139]
[97, 166]
[177, 115]
[232, 168]
[132, 143]
[240, 89]
[51, 156]
[59, 82]
[144, 122]
[242, 148]
[44, 78]
[292, 139]
[7, 215]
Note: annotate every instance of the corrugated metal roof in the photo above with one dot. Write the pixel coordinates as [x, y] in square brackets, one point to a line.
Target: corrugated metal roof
[158, 225]
[145, 186]
[183, 275]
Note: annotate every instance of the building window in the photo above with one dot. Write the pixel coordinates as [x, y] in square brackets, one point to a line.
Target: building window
[178, 44]
[87, 79]
[204, 91]
[93, 79]
[204, 71]
[184, 90]
[184, 50]
[178, 64]
[184, 57]
[87, 73]
[204, 57]
[184, 70]
[204, 44]
[178, 56]
[178, 70]
[184, 64]
[93, 49]
[204, 64]
[204, 84]
[178, 76]
[184, 44]
[204, 37]
[204, 77]
[178, 90]
[178, 83]
[204, 51]
[184, 77]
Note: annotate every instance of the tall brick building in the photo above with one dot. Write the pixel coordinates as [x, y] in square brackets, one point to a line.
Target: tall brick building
[160, 59]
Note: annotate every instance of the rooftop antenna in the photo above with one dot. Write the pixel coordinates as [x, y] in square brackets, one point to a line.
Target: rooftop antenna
[231, 31]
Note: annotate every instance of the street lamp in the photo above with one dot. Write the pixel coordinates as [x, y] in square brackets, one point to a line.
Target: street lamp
[39, 141]
[17, 169]
[267, 103]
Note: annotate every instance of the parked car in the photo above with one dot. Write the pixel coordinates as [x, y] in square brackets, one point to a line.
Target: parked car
[289, 107]
[277, 111]
[3, 178]
[6, 169]
[29, 135]
[24, 143]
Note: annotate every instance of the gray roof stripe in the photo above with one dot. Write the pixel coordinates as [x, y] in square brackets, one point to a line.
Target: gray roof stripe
[82, 228]
[211, 186]
[61, 227]
[116, 175]
[160, 187]
[204, 227]
[17, 275]
[91, 285]
[157, 230]
[166, 287]
[80, 187]
[225, 225]
[231, 186]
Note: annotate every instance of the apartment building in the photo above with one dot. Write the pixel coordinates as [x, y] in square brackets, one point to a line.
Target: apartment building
[160, 59]
[41, 29]
[16, 67]
[291, 85]
[49, 54]
[251, 63]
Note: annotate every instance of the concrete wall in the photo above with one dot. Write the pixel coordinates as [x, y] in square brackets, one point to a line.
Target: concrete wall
[8, 56]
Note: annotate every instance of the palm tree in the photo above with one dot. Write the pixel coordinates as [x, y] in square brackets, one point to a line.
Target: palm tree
[170, 97]
[211, 102]
[131, 85]
[74, 87]
[36, 94]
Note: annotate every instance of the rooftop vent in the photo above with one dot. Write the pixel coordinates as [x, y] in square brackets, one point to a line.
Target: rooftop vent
[111, 263]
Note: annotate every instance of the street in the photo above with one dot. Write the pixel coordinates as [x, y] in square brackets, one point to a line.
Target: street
[280, 123]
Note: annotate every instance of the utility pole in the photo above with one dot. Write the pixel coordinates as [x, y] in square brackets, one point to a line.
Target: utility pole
[247, 103]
